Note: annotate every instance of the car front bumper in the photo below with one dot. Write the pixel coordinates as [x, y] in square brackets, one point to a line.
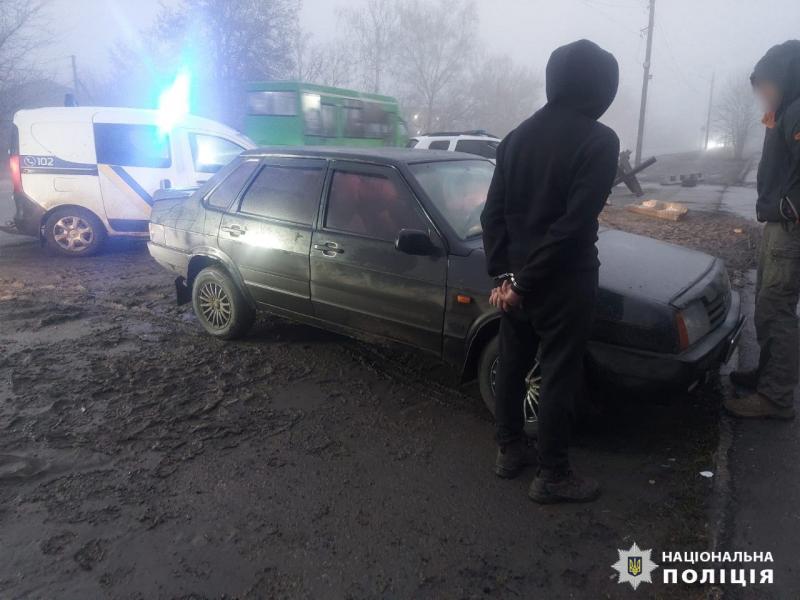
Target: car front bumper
[639, 369]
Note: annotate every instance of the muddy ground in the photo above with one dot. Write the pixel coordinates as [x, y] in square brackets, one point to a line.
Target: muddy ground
[143, 459]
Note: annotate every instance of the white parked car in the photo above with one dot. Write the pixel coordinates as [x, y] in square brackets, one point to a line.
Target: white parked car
[472, 142]
[82, 174]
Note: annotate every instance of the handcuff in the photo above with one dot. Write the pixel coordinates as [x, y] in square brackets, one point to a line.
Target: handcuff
[789, 211]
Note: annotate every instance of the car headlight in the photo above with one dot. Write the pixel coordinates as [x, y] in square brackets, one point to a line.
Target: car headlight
[157, 233]
[693, 323]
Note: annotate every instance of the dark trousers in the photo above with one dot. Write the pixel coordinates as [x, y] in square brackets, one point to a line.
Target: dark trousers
[554, 321]
[777, 294]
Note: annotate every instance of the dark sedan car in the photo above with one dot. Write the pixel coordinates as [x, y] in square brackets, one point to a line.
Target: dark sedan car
[387, 244]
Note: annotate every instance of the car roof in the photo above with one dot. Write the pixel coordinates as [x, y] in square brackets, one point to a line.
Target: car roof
[112, 114]
[385, 155]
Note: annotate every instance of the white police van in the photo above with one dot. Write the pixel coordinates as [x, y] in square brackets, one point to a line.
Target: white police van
[82, 174]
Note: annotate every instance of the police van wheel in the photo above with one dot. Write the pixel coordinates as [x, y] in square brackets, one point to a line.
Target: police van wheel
[219, 305]
[74, 232]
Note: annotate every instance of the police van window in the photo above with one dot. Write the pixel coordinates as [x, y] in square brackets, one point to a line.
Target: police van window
[226, 192]
[210, 153]
[286, 193]
[131, 145]
[439, 145]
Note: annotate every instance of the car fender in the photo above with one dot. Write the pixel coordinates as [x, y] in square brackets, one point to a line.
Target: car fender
[482, 330]
[216, 255]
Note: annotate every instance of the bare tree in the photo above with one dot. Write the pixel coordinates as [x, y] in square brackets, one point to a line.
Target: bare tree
[437, 42]
[501, 94]
[736, 114]
[372, 29]
[230, 42]
[22, 26]
[326, 64]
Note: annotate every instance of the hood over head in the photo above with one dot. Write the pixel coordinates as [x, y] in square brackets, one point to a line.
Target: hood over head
[781, 67]
[582, 76]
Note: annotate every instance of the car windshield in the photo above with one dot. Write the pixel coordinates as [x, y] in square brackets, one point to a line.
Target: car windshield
[457, 189]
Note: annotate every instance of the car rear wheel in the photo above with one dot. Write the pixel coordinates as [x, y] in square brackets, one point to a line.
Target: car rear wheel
[72, 231]
[219, 305]
[530, 401]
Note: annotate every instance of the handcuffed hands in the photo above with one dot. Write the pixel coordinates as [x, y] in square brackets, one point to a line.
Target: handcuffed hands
[504, 297]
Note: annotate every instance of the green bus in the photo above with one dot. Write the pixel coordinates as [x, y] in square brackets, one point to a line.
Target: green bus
[294, 113]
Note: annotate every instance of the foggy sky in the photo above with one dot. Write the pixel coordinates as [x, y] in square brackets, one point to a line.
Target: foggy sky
[692, 39]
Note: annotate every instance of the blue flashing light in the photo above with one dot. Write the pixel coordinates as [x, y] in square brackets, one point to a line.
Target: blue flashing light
[173, 103]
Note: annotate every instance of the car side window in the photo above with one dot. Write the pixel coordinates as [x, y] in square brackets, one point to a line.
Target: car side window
[285, 193]
[210, 152]
[127, 145]
[226, 192]
[439, 145]
[371, 205]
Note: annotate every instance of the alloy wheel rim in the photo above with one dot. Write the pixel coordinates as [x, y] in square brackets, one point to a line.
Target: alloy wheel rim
[215, 305]
[533, 390]
[73, 234]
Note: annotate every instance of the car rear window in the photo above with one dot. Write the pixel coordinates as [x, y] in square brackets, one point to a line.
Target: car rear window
[485, 148]
[439, 145]
[286, 193]
[131, 145]
[227, 191]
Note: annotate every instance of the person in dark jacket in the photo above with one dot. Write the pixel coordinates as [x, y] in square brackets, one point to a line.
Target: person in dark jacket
[776, 79]
[554, 173]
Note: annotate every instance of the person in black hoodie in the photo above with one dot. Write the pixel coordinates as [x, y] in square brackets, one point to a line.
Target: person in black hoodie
[776, 79]
[554, 173]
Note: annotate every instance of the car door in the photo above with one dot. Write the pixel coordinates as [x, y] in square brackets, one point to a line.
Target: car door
[267, 231]
[132, 160]
[358, 278]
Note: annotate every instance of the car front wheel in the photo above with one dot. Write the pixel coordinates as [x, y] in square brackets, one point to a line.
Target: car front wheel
[219, 305]
[487, 380]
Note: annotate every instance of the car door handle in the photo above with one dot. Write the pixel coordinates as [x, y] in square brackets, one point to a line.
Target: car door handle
[235, 230]
[328, 248]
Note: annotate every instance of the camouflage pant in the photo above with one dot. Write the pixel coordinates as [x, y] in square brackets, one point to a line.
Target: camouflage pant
[777, 294]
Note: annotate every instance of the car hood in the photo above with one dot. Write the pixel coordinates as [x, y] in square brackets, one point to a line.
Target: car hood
[631, 265]
[636, 265]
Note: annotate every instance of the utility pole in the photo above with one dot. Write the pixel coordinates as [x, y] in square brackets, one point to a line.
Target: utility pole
[74, 74]
[645, 83]
[710, 104]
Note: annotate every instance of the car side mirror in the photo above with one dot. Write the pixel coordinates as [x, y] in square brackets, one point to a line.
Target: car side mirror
[414, 241]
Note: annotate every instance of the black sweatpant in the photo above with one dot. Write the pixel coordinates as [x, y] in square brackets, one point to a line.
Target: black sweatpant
[556, 320]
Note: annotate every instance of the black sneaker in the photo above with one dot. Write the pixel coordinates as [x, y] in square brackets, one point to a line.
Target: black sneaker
[566, 487]
[745, 379]
[512, 458]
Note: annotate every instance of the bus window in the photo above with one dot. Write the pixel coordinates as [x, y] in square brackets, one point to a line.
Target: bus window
[376, 121]
[320, 119]
[280, 104]
[353, 118]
